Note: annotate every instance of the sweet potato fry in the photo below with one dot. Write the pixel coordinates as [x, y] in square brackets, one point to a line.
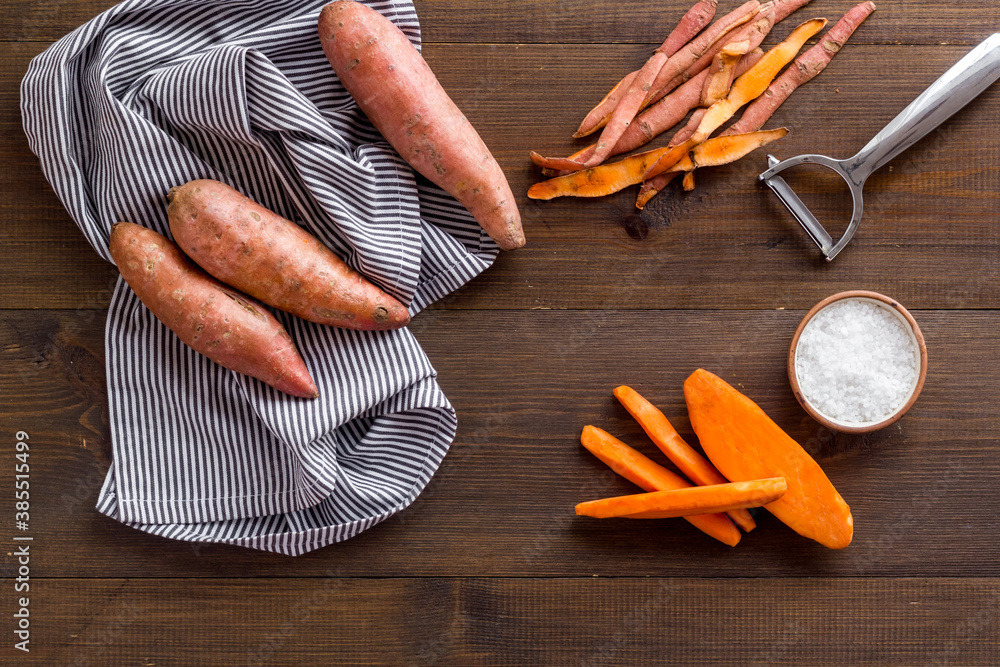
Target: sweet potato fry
[805, 67]
[747, 87]
[686, 502]
[711, 153]
[688, 182]
[695, 466]
[722, 71]
[693, 22]
[651, 476]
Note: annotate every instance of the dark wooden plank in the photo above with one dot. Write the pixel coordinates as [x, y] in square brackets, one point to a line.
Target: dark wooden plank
[575, 21]
[930, 238]
[515, 621]
[923, 492]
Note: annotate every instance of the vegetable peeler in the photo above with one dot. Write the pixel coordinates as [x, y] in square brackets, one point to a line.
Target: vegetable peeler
[953, 90]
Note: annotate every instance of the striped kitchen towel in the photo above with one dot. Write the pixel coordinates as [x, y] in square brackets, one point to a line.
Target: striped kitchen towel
[154, 93]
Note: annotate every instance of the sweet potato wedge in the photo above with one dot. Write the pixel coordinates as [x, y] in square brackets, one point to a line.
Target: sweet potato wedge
[209, 317]
[744, 443]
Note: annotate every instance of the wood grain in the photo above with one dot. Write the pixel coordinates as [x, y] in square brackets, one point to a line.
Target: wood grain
[728, 244]
[923, 492]
[576, 21]
[490, 566]
[517, 621]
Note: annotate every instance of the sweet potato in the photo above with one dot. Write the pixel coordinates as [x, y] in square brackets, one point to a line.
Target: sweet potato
[224, 325]
[744, 444]
[685, 502]
[274, 260]
[404, 100]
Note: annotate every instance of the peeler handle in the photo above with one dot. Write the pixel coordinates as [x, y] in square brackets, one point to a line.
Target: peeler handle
[953, 90]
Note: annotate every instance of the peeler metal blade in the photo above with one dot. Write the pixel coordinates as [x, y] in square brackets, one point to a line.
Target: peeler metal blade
[797, 208]
[953, 90]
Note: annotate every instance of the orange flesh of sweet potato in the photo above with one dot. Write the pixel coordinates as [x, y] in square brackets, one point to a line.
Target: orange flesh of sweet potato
[722, 72]
[685, 502]
[710, 153]
[404, 100]
[598, 181]
[688, 461]
[747, 87]
[209, 317]
[651, 476]
[274, 260]
[744, 443]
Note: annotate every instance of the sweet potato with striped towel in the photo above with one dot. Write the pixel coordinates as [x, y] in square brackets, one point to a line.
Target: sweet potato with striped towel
[404, 100]
[227, 327]
[274, 260]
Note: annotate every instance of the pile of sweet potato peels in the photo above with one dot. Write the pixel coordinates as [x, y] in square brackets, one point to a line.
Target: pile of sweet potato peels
[711, 72]
[751, 463]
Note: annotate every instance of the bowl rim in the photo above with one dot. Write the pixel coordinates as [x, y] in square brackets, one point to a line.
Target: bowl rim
[921, 348]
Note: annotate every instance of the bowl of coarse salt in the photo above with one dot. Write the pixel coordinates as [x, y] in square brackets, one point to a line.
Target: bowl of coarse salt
[857, 361]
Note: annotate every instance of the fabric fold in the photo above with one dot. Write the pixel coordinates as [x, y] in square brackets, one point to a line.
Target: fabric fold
[154, 93]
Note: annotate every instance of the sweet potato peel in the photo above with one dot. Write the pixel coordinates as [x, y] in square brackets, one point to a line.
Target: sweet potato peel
[690, 25]
[687, 502]
[598, 181]
[805, 67]
[721, 72]
[650, 123]
[711, 153]
[746, 88]
[609, 178]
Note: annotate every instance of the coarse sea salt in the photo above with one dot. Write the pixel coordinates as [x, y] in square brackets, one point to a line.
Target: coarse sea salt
[856, 362]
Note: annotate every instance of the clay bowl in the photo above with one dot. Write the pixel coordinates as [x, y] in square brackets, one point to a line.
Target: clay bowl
[915, 335]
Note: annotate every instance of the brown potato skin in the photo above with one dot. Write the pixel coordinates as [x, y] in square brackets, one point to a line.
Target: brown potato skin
[224, 325]
[404, 100]
[274, 260]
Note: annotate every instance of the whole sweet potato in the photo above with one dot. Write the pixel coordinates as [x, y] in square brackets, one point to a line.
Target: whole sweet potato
[272, 259]
[401, 96]
[224, 325]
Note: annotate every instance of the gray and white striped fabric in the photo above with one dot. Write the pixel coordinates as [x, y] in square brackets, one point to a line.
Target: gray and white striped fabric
[154, 93]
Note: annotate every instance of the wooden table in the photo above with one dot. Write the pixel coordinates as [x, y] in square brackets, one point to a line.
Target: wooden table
[490, 565]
